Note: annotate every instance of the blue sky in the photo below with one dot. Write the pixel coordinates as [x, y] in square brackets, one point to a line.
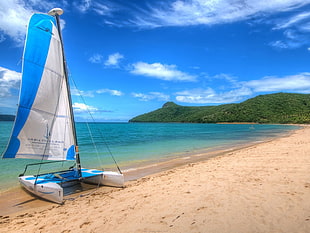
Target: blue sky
[130, 57]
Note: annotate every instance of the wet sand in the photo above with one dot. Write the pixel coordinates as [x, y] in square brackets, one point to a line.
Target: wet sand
[18, 200]
[259, 188]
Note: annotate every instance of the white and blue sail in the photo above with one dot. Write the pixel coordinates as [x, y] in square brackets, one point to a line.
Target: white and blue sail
[43, 127]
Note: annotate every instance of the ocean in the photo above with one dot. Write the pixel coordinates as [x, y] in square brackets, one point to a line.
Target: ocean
[134, 144]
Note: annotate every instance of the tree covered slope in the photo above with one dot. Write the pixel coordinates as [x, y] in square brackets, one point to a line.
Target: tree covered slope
[283, 108]
[6, 117]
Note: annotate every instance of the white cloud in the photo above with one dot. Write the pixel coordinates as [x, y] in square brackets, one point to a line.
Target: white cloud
[203, 96]
[77, 92]
[113, 59]
[91, 94]
[9, 80]
[305, 27]
[292, 83]
[80, 108]
[9, 88]
[2, 38]
[151, 96]
[85, 6]
[102, 9]
[293, 38]
[111, 92]
[292, 21]
[279, 44]
[233, 82]
[161, 71]
[96, 58]
[201, 12]
[14, 16]
[198, 12]
[295, 31]
[299, 83]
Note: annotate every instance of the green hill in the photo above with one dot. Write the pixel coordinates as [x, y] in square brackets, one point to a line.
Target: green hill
[283, 108]
[6, 117]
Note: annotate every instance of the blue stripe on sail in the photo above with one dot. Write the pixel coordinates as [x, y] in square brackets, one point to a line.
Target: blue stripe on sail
[71, 153]
[35, 55]
[12, 148]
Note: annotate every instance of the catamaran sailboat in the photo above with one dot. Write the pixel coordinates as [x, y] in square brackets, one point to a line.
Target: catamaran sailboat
[44, 127]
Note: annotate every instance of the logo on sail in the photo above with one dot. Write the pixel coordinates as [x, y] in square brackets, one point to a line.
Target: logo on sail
[48, 132]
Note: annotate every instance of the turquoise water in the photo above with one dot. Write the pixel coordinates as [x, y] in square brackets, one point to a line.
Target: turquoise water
[134, 143]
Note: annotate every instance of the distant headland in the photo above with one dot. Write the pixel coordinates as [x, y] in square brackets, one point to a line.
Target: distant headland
[4, 117]
[278, 108]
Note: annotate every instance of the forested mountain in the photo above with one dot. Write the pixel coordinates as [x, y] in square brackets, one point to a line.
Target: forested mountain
[7, 117]
[283, 108]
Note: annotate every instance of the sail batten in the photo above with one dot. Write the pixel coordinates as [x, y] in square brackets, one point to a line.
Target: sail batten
[43, 125]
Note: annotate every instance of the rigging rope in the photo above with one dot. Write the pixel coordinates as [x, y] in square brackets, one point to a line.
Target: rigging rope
[83, 195]
[100, 132]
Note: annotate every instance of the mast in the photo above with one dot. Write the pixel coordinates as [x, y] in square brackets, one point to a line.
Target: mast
[56, 12]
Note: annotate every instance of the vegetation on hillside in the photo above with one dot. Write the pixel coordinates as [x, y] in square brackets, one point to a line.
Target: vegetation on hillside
[281, 108]
[7, 117]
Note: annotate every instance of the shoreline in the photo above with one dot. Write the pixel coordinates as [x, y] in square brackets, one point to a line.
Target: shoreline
[263, 187]
[162, 155]
[17, 200]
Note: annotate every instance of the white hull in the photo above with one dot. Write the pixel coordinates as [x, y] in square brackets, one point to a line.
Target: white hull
[48, 191]
[44, 125]
[106, 178]
[51, 189]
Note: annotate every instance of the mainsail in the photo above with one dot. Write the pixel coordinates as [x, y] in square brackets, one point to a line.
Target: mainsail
[43, 127]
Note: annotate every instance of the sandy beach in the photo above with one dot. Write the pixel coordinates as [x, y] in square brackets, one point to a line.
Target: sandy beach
[260, 188]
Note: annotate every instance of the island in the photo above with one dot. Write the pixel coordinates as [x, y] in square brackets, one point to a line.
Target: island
[4, 117]
[278, 108]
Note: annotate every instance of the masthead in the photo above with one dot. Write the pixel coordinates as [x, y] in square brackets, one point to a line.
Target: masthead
[55, 11]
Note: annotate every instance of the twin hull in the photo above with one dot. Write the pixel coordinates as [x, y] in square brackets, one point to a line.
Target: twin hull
[51, 188]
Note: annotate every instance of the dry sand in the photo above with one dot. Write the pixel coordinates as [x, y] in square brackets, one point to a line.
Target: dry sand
[261, 188]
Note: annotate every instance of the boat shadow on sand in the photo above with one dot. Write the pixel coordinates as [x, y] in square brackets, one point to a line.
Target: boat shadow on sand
[70, 193]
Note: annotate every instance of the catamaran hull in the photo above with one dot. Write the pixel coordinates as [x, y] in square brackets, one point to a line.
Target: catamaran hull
[49, 191]
[44, 126]
[106, 178]
[50, 186]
